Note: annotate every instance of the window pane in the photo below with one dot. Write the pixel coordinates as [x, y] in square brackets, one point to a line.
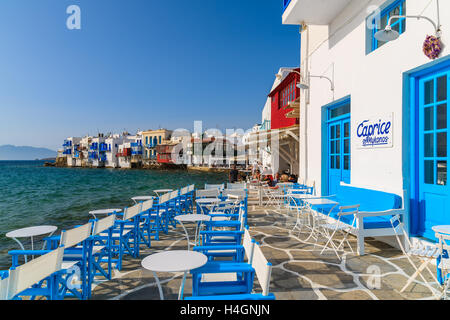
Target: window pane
[332, 148]
[347, 129]
[442, 88]
[338, 146]
[429, 171]
[338, 162]
[428, 145]
[346, 162]
[396, 27]
[429, 118]
[441, 116]
[346, 146]
[338, 132]
[332, 162]
[441, 173]
[395, 12]
[333, 133]
[429, 92]
[442, 144]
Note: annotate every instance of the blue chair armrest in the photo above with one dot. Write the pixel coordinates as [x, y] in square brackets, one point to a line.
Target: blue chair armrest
[245, 296]
[218, 247]
[28, 252]
[221, 233]
[220, 267]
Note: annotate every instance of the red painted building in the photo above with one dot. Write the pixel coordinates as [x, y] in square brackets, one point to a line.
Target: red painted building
[164, 152]
[284, 93]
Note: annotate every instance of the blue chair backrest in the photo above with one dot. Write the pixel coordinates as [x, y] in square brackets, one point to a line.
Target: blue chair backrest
[369, 200]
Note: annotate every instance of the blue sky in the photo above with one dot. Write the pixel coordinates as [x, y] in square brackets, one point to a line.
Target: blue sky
[137, 64]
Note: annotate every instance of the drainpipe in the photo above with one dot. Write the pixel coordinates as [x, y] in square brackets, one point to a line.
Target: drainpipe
[306, 73]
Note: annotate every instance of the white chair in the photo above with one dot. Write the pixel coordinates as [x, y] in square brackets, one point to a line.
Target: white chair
[210, 193]
[263, 270]
[238, 186]
[274, 196]
[241, 193]
[444, 263]
[4, 288]
[23, 277]
[219, 187]
[424, 253]
[341, 227]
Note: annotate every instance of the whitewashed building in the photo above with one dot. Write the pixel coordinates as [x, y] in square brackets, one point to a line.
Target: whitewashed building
[376, 113]
[70, 150]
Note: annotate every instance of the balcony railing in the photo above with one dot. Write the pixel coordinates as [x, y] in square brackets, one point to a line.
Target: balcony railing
[67, 143]
[286, 4]
[104, 147]
[93, 155]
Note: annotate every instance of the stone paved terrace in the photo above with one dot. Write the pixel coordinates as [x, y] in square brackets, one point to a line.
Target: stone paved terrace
[300, 272]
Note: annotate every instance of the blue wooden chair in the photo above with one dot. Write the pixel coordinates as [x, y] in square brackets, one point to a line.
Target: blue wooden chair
[146, 224]
[220, 291]
[125, 235]
[73, 278]
[101, 252]
[36, 278]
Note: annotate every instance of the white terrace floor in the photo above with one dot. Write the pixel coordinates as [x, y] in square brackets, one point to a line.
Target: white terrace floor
[300, 272]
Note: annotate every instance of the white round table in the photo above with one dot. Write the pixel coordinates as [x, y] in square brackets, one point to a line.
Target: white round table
[206, 201]
[193, 218]
[174, 261]
[30, 232]
[104, 211]
[142, 198]
[443, 229]
[162, 191]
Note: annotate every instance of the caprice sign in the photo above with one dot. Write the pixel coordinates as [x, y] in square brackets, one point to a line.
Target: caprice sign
[375, 132]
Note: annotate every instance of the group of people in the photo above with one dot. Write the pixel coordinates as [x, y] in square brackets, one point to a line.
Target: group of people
[258, 176]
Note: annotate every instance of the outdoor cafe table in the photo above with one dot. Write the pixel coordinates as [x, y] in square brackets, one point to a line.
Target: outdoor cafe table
[174, 261]
[30, 232]
[441, 230]
[206, 201]
[104, 211]
[142, 198]
[195, 218]
[162, 191]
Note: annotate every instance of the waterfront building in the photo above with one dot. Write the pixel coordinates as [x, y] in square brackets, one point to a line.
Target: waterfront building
[374, 113]
[97, 151]
[70, 150]
[274, 144]
[151, 139]
[285, 97]
[113, 142]
[124, 155]
[82, 153]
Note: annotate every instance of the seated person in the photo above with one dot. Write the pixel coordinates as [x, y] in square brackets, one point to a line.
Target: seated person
[284, 178]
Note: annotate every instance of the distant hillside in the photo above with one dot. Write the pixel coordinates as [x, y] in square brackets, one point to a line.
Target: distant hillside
[10, 152]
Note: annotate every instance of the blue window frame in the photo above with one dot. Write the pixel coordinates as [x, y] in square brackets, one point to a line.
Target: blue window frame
[286, 4]
[397, 8]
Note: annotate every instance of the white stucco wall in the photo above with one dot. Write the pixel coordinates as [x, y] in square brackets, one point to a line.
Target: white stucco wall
[374, 81]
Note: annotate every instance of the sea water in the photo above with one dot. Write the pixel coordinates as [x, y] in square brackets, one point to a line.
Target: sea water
[32, 195]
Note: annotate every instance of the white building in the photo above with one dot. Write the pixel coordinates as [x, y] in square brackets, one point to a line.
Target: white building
[113, 142]
[71, 150]
[97, 151]
[379, 119]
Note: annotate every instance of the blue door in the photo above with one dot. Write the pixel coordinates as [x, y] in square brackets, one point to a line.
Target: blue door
[434, 192]
[338, 144]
